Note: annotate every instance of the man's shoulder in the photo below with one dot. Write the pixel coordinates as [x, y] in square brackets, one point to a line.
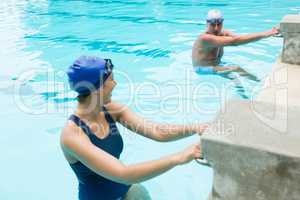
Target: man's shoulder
[227, 33]
[202, 37]
[207, 37]
[203, 41]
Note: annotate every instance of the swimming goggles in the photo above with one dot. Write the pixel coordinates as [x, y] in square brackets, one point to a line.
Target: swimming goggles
[215, 21]
[107, 71]
[108, 66]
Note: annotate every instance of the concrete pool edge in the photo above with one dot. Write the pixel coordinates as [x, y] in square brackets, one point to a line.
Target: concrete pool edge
[255, 154]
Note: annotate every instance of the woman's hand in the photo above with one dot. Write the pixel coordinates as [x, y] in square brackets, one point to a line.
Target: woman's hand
[190, 153]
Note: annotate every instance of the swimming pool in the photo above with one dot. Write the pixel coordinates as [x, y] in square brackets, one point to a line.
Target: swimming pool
[150, 45]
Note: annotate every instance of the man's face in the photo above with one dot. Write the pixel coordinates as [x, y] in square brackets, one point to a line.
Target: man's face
[214, 26]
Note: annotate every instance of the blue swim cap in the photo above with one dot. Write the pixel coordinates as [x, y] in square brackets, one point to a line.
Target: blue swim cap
[88, 73]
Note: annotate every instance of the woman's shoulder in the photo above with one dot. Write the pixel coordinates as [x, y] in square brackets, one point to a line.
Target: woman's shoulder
[67, 140]
[70, 134]
[72, 139]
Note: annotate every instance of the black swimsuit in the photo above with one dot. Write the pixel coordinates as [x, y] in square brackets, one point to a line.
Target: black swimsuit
[91, 185]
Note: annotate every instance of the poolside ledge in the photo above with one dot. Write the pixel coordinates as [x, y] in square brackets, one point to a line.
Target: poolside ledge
[290, 29]
[254, 155]
[253, 146]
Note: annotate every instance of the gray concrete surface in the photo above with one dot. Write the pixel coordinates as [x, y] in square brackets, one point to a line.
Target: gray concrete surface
[251, 158]
[282, 86]
[290, 28]
[253, 146]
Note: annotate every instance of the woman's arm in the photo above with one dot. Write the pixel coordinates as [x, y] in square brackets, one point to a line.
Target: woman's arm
[78, 145]
[152, 130]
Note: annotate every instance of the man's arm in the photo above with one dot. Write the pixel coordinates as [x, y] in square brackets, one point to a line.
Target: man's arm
[219, 41]
[228, 33]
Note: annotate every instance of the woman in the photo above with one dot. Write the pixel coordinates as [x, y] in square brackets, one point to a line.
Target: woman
[92, 144]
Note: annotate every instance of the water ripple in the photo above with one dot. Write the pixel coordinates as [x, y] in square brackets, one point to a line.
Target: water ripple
[132, 19]
[106, 46]
[110, 2]
[188, 4]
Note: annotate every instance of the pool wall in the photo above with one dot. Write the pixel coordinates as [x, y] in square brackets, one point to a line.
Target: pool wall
[255, 154]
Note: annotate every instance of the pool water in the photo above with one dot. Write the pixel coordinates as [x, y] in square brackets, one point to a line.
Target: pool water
[150, 45]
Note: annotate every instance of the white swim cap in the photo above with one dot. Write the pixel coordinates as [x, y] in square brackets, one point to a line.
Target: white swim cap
[214, 14]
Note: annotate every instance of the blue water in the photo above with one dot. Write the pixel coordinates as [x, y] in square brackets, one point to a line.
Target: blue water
[150, 44]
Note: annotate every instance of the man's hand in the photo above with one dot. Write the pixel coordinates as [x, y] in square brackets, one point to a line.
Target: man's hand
[272, 32]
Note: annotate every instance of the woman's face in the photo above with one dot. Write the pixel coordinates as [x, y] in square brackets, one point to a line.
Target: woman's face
[107, 88]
